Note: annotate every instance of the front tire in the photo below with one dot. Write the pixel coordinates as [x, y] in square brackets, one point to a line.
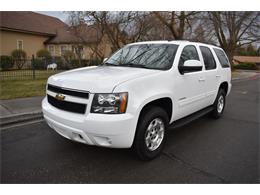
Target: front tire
[219, 104]
[151, 133]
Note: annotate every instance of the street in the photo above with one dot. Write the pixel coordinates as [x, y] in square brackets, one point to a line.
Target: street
[204, 151]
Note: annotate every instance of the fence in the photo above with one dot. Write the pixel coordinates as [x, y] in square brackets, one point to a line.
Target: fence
[37, 68]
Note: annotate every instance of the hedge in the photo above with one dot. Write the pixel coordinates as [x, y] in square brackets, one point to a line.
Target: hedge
[43, 53]
[75, 63]
[6, 62]
[247, 66]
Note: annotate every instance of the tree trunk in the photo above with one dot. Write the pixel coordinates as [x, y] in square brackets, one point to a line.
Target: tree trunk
[230, 54]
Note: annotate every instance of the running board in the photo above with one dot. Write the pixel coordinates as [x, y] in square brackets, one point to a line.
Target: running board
[190, 118]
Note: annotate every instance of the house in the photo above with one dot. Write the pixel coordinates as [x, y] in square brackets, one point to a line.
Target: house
[32, 31]
[246, 59]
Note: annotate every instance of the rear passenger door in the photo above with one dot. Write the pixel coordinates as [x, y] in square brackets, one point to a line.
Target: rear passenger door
[212, 75]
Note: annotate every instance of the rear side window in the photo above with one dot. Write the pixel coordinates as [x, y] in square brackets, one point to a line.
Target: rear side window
[188, 53]
[208, 58]
[222, 58]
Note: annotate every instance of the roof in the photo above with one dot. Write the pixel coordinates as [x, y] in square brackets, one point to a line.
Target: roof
[250, 59]
[58, 31]
[80, 34]
[30, 22]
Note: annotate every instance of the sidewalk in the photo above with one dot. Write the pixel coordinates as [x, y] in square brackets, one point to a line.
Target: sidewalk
[20, 110]
[19, 106]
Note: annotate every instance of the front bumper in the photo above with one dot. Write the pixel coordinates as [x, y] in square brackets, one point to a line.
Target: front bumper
[108, 130]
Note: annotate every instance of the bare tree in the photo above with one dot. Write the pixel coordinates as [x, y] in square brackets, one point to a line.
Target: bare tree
[86, 34]
[176, 22]
[139, 27]
[230, 30]
[152, 28]
[120, 28]
[234, 29]
[200, 31]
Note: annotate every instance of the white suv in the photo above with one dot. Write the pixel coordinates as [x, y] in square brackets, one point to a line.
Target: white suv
[131, 99]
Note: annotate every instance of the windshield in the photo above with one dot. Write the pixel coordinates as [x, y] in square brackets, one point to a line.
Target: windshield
[151, 56]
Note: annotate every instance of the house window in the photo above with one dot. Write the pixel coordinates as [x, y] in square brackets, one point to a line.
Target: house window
[51, 49]
[19, 44]
[63, 49]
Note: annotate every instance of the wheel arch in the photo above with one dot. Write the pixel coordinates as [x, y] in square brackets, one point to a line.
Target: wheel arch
[224, 86]
[156, 101]
[165, 103]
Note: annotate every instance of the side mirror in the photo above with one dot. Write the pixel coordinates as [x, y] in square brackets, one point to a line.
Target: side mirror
[190, 66]
[105, 59]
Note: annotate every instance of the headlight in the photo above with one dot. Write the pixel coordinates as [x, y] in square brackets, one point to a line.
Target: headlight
[114, 103]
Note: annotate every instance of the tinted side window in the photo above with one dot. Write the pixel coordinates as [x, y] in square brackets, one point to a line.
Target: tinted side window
[189, 52]
[208, 58]
[222, 58]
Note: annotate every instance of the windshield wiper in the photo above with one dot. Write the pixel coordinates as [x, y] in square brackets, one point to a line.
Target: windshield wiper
[109, 64]
[126, 65]
[134, 65]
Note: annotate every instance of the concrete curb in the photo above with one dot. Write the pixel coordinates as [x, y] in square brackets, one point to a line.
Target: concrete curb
[20, 118]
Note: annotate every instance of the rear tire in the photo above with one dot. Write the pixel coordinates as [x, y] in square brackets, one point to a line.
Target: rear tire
[219, 104]
[151, 133]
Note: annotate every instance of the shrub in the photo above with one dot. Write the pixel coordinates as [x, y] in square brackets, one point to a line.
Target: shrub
[246, 66]
[6, 62]
[18, 54]
[39, 64]
[68, 56]
[57, 60]
[84, 63]
[74, 63]
[61, 65]
[19, 57]
[93, 62]
[42, 63]
[43, 53]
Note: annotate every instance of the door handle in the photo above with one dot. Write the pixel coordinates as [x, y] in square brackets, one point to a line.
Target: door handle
[201, 79]
[217, 76]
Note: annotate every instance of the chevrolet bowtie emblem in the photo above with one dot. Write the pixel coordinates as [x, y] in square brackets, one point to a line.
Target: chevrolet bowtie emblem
[60, 97]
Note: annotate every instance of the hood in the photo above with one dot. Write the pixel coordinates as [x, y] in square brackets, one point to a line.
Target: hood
[98, 79]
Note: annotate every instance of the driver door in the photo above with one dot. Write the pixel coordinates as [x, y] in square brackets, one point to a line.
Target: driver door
[190, 86]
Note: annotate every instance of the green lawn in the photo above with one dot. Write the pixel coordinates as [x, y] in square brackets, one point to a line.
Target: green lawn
[11, 89]
[20, 83]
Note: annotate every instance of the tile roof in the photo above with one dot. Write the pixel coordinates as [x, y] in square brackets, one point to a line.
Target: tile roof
[30, 22]
[58, 31]
[86, 34]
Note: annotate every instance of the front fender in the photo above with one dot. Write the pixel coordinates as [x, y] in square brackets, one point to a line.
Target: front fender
[154, 98]
[144, 90]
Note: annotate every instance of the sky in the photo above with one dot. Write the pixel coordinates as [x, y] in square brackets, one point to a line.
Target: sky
[58, 14]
